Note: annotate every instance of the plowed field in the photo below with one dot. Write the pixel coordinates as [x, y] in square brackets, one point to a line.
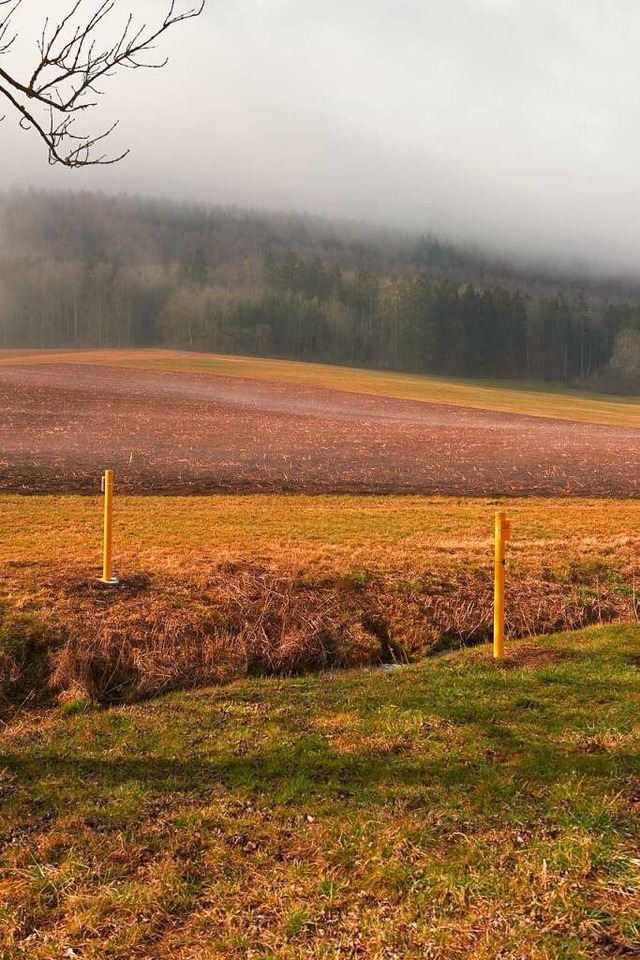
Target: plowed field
[178, 432]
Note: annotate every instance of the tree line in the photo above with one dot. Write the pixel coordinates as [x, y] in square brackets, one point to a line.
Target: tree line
[78, 273]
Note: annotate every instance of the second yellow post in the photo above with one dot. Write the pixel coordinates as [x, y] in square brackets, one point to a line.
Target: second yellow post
[107, 558]
[503, 531]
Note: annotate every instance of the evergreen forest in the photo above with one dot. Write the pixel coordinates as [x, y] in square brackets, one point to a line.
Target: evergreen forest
[86, 270]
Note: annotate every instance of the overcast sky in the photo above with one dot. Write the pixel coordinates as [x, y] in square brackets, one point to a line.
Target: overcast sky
[511, 122]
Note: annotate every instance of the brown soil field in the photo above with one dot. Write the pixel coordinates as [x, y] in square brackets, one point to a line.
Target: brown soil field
[176, 432]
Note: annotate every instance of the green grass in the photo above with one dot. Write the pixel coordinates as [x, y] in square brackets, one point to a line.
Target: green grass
[446, 810]
[526, 397]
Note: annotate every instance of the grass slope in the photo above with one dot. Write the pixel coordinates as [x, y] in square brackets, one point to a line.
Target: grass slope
[536, 399]
[446, 810]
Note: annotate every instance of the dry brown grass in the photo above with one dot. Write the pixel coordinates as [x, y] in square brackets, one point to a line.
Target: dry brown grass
[151, 635]
[319, 535]
[216, 588]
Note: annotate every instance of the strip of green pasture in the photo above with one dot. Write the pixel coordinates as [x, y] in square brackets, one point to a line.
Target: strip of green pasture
[448, 809]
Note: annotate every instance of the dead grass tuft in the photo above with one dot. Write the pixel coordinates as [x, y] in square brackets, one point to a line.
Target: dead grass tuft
[535, 656]
[241, 621]
[26, 643]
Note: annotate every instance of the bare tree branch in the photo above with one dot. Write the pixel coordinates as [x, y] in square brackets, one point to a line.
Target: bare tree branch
[72, 60]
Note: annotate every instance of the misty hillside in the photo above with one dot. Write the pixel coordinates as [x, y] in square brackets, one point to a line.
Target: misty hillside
[90, 270]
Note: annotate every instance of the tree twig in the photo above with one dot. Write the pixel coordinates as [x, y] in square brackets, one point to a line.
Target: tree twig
[71, 62]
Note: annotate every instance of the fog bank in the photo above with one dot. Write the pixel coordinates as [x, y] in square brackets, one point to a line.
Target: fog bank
[507, 123]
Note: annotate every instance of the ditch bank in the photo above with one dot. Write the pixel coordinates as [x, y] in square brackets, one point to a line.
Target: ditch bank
[71, 637]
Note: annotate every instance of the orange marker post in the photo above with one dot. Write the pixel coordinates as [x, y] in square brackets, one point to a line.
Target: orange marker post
[107, 551]
[503, 533]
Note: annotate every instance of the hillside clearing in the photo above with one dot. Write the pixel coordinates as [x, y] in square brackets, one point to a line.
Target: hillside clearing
[169, 431]
[533, 399]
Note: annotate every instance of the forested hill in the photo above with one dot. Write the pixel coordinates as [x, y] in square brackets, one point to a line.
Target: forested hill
[89, 270]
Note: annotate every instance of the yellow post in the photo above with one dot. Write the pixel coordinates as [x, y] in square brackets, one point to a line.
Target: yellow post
[503, 532]
[107, 561]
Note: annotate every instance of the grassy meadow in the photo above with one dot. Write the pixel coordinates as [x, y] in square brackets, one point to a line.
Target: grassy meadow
[535, 399]
[443, 810]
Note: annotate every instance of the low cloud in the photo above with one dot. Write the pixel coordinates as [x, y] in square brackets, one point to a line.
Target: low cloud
[501, 121]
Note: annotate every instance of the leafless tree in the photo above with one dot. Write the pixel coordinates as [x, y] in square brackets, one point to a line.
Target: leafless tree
[72, 61]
